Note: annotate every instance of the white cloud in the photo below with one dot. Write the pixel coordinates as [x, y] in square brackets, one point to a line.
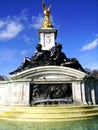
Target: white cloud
[89, 59]
[22, 18]
[97, 35]
[11, 26]
[37, 21]
[24, 53]
[92, 65]
[8, 55]
[28, 39]
[2, 23]
[90, 45]
[11, 30]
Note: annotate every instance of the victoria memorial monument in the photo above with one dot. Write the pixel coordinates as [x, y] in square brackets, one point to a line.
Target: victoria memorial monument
[49, 76]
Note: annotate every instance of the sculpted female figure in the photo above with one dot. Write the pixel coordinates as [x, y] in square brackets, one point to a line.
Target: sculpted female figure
[46, 11]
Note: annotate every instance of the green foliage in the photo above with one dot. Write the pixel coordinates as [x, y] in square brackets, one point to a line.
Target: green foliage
[92, 74]
[2, 78]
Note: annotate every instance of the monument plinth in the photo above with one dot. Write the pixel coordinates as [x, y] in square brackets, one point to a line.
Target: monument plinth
[47, 37]
[47, 34]
[48, 77]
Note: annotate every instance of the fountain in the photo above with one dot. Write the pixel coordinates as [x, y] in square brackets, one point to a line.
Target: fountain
[50, 79]
[53, 75]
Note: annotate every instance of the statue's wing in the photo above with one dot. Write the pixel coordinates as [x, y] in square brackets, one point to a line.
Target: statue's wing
[43, 5]
[49, 6]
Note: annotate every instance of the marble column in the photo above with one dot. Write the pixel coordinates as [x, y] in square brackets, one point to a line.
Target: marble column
[76, 90]
[83, 93]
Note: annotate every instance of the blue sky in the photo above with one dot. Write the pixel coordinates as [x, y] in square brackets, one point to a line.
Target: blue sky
[76, 21]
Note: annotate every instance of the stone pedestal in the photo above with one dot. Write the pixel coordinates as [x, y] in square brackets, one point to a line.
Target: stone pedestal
[83, 93]
[77, 92]
[61, 84]
[47, 38]
[15, 92]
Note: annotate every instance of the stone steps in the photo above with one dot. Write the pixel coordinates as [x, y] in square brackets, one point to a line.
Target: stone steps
[48, 113]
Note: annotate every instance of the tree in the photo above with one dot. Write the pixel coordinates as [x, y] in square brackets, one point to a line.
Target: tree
[95, 73]
[92, 74]
[2, 78]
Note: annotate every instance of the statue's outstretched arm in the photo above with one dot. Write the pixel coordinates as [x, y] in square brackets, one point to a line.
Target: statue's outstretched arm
[49, 7]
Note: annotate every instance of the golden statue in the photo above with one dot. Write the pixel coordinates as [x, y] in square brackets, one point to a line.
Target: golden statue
[47, 23]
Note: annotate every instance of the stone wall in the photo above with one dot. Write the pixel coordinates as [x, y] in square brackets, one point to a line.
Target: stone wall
[14, 93]
[91, 91]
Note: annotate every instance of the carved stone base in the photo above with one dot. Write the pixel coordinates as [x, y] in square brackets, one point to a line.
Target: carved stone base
[47, 37]
[51, 94]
